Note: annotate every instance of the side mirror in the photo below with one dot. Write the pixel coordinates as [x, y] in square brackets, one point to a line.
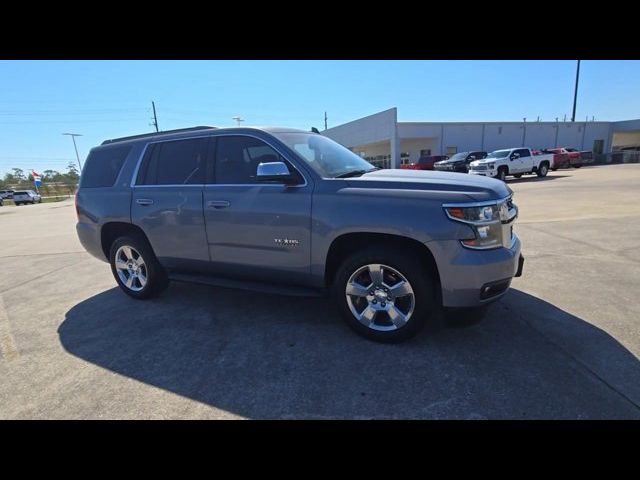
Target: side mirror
[275, 172]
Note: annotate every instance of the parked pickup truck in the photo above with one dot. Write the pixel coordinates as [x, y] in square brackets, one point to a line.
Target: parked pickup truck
[574, 156]
[511, 161]
[293, 212]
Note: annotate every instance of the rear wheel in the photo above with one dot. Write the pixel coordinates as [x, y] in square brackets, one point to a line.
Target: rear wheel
[136, 268]
[542, 170]
[384, 295]
[502, 173]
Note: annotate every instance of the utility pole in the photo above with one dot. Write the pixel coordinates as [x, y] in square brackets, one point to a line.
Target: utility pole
[73, 137]
[325, 120]
[238, 119]
[575, 93]
[155, 117]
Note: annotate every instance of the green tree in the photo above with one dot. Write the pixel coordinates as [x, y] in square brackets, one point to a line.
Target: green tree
[18, 175]
[49, 175]
[72, 172]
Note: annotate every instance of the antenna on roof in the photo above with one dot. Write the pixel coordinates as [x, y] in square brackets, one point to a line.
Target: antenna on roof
[314, 130]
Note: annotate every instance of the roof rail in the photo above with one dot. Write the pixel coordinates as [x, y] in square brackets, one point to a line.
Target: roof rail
[154, 134]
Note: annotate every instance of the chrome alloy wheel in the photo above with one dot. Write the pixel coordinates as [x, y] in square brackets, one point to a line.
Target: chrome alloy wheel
[131, 268]
[380, 297]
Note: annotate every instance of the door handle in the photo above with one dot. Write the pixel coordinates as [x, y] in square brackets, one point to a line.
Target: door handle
[218, 204]
[144, 201]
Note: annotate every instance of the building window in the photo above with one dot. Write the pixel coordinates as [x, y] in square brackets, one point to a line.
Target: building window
[452, 151]
[425, 152]
[598, 146]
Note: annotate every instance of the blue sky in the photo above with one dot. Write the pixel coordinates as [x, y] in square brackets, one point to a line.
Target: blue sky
[39, 100]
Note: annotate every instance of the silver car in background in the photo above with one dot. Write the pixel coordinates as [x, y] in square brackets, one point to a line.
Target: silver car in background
[26, 196]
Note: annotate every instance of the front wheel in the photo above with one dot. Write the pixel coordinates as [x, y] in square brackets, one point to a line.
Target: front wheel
[542, 170]
[502, 174]
[136, 268]
[384, 295]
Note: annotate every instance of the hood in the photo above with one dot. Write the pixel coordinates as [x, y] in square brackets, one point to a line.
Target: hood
[452, 187]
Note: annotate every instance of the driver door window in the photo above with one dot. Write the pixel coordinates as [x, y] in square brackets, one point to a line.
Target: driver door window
[238, 157]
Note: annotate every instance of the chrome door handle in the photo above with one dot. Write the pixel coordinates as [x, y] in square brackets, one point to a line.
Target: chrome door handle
[218, 204]
[144, 201]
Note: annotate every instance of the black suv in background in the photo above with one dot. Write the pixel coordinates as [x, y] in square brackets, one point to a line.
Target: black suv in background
[459, 162]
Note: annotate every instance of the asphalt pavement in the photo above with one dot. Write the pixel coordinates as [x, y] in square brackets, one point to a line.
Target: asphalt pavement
[563, 343]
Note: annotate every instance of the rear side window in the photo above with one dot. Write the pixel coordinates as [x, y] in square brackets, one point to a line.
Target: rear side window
[524, 152]
[178, 162]
[103, 166]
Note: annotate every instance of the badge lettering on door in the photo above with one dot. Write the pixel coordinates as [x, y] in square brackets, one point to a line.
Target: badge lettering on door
[287, 242]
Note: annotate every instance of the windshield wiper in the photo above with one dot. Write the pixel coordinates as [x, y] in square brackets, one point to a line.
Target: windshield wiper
[355, 173]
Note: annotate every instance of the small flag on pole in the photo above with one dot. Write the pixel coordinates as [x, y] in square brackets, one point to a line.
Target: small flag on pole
[36, 179]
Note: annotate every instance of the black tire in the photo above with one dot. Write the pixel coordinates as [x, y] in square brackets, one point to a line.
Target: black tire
[542, 170]
[554, 169]
[157, 280]
[517, 175]
[577, 166]
[502, 173]
[423, 286]
[17, 204]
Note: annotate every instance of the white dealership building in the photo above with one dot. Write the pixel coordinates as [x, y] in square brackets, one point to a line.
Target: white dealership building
[384, 141]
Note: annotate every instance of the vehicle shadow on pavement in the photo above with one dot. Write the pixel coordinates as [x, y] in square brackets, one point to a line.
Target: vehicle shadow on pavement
[264, 356]
[535, 178]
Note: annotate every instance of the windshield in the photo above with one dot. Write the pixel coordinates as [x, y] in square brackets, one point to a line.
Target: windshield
[498, 154]
[459, 156]
[328, 158]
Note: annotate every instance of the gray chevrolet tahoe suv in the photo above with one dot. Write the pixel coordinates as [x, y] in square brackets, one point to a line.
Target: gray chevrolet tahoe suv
[294, 212]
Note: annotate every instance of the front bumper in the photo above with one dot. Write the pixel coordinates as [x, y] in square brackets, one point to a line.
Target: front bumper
[484, 173]
[451, 168]
[466, 273]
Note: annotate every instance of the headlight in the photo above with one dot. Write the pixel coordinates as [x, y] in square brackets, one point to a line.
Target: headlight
[485, 222]
[491, 165]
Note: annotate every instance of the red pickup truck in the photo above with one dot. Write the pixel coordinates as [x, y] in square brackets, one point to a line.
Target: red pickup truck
[569, 155]
[424, 163]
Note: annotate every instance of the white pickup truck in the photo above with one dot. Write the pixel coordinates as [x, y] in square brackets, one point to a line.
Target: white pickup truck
[511, 161]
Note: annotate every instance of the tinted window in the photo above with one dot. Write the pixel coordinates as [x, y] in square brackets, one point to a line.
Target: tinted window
[524, 152]
[103, 166]
[237, 159]
[179, 162]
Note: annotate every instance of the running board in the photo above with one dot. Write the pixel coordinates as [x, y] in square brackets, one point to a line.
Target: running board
[291, 291]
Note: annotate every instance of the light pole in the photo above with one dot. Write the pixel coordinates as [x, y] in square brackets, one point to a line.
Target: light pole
[575, 93]
[73, 137]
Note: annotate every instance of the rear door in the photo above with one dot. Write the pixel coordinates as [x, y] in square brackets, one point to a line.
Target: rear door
[167, 201]
[259, 231]
[526, 160]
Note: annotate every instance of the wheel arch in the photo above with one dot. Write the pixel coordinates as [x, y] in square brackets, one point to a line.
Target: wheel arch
[112, 230]
[346, 244]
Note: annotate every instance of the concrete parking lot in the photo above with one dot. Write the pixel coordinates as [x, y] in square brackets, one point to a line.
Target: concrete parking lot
[563, 343]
